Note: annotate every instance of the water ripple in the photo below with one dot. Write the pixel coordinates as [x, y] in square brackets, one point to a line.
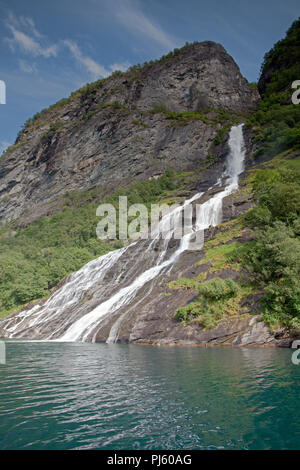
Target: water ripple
[89, 396]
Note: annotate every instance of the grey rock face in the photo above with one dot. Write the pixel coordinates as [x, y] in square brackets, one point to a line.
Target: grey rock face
[99, 145]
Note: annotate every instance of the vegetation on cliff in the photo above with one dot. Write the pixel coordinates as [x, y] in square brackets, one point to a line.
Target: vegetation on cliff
[88, 91]
[274, 260]
[277, 121]
[216, 299]
[270, 263]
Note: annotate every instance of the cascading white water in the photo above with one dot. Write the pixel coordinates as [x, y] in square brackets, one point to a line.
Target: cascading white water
[86, 326]
[69, 294]
[236, 156]
[210, 214]
[83, 327]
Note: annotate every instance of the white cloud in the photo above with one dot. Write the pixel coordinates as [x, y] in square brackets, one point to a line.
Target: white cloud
[25, 36]
[95, 69]
[26, 23]
[129, 14]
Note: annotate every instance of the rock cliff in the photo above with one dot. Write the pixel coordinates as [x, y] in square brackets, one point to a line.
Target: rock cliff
[130, 126]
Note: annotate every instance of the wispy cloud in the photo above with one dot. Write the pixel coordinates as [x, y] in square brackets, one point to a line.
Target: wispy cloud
[26, 37]
[130, 15]
[95, 69]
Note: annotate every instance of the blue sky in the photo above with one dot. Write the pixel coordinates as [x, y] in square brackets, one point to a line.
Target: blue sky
[50, 48]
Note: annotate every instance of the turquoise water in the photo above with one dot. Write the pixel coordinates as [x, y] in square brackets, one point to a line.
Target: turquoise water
[93, 396]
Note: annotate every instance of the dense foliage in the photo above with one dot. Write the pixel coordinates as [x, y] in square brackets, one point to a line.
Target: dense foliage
[215, 298]
[281, 65]
[277, 120]
[274, 260]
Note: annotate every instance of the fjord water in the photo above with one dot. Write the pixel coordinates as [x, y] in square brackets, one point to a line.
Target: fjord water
[99, 396]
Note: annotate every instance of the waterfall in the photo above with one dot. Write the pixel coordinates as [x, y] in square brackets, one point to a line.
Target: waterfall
[65, 297]
[83, 327]
[114, 281]
[236, 156]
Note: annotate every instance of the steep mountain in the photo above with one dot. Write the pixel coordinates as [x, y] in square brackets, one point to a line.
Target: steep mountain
[130, 126]
[159, 133]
